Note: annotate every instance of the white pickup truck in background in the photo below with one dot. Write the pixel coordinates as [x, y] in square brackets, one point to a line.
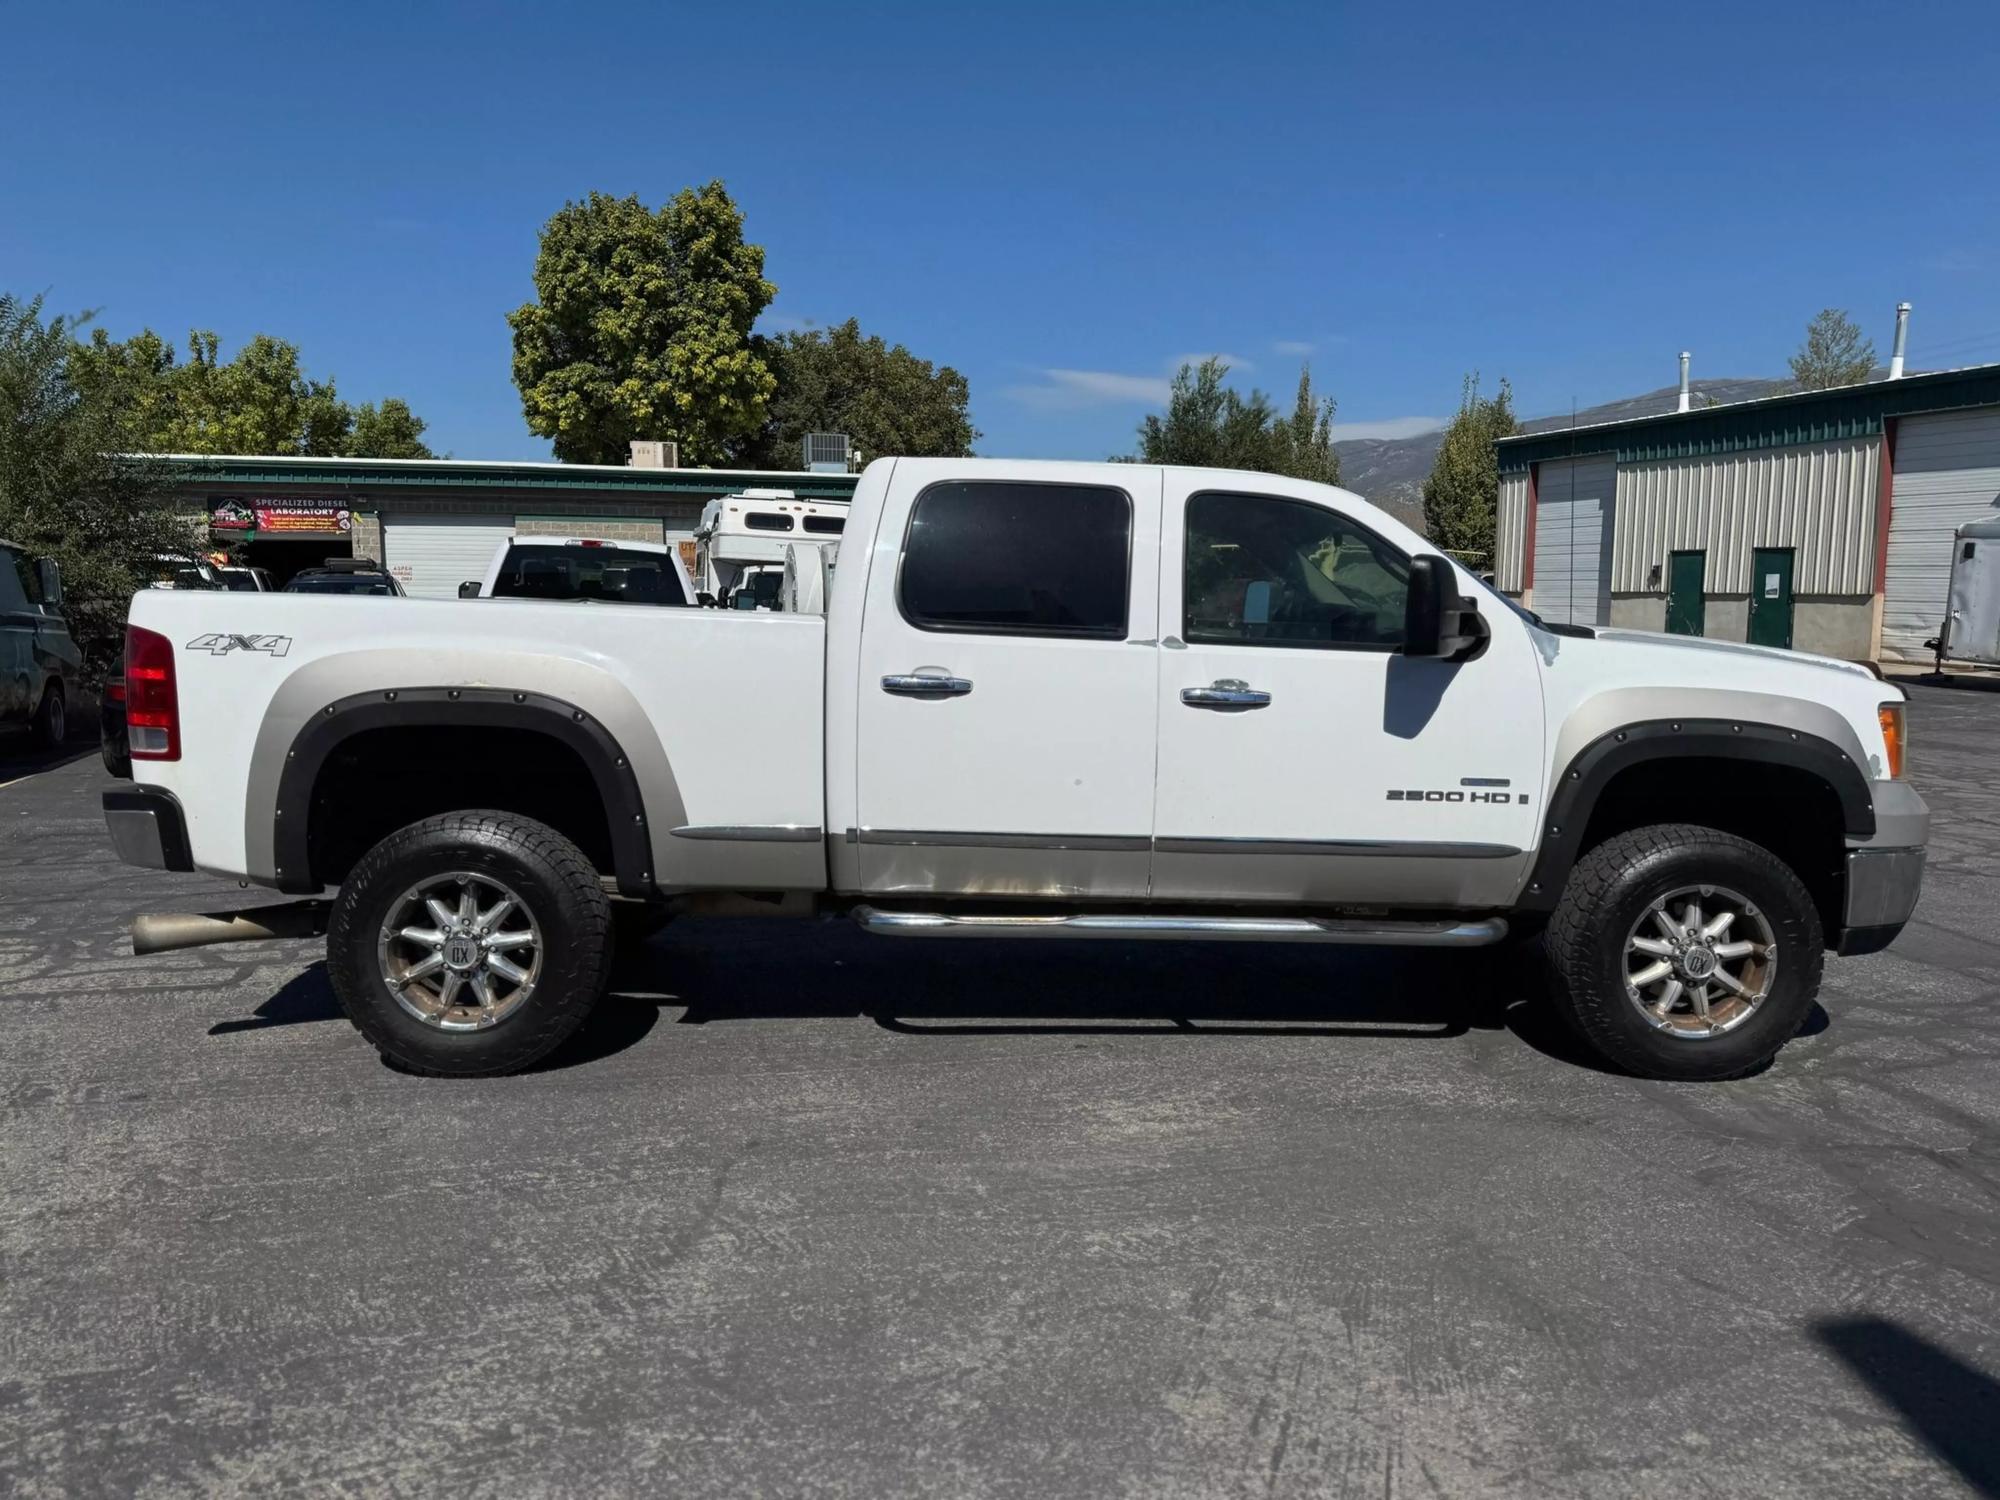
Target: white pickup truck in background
[1046, 701]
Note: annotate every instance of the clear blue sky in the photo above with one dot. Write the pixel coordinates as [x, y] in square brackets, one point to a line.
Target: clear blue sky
[1060, 200]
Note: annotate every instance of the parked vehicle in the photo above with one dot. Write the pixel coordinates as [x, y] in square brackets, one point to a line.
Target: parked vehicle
[1971, 630]
[172, 570]
[345, 575]
[247, 580]
[568, 568]
[1046, 701]
[741, 542]
[40, 666]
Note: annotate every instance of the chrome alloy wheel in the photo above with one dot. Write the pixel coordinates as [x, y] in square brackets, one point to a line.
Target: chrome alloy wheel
[460, 952]
[1700, 961]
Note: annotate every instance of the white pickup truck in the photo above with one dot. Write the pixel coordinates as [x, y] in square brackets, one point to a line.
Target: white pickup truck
[1047, 700]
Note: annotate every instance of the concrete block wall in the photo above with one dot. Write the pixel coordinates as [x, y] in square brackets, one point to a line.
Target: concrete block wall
[605, 528]
[366, 537]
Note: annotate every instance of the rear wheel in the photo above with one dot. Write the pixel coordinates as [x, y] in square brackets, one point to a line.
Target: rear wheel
[1684, 952]
[52, 717]
[470, 944]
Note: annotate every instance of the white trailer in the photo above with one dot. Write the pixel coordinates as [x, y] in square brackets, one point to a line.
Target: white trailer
[742, 541]
[1971, 630]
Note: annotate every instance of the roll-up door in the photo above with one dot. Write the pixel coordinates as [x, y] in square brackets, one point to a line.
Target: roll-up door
[432, 555]
[1572, 580]
[1947, 473]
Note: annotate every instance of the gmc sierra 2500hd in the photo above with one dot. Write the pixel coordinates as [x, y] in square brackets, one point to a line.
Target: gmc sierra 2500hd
[1047, 700]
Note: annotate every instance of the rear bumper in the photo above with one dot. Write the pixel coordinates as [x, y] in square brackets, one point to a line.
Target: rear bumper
[147, 828]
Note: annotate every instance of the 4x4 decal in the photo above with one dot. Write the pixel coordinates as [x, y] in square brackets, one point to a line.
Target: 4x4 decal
[222, 645]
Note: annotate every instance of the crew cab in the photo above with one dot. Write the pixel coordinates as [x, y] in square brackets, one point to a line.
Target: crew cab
[1046, 701]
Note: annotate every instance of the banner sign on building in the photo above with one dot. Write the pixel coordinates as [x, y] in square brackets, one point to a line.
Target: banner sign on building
[280, 518]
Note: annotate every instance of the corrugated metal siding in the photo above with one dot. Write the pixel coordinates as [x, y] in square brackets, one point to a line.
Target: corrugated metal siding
[1947, 473]
[1510, 533]
[1573, 503]
[1818, 500]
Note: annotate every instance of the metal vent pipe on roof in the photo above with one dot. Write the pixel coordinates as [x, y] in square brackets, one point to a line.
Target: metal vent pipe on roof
[1684, 382]
[1902, 339]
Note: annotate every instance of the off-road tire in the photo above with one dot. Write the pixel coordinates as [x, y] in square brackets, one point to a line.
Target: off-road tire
[51, 726]
[1613, 885]
[554, 881]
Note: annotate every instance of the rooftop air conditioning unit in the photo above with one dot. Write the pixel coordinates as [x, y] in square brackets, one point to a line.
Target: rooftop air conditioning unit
[826, 452]
[654, 454]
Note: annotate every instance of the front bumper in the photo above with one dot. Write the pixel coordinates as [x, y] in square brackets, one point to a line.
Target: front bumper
[147, 828]
[1885, 873]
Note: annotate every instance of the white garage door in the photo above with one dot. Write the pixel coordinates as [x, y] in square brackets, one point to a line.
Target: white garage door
[432, 555]
[1573, 539]
[1947, 473]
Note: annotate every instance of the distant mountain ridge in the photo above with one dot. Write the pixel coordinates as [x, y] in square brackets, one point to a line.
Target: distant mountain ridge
[1391, 471]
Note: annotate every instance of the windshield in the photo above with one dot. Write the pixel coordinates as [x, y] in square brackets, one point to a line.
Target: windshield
[340, 583]
[1514, 604]
[239, 582]
[610, 575]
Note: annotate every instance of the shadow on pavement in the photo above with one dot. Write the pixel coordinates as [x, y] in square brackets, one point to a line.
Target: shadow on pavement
[747, 970]
[20, 756]
[741, 971]
[1951, 1407]
[305, 998]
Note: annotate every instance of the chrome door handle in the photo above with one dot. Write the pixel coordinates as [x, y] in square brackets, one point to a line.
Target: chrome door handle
[1226, 692]
[921, 685]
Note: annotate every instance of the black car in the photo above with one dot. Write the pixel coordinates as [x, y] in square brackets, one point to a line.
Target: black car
[345, 575]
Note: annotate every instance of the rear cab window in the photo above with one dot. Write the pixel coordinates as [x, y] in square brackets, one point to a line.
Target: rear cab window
[1018, 558]
[610, 575]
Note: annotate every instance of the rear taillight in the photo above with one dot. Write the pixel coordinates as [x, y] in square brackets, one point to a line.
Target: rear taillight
[152, 705]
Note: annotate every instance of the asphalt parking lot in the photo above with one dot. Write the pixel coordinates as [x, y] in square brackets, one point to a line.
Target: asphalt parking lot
[806, 1212]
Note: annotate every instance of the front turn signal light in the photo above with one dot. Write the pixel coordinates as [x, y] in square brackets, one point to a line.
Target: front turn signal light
[1891, 715]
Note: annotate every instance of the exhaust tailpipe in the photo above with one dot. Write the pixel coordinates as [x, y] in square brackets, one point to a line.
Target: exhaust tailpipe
[166, 931]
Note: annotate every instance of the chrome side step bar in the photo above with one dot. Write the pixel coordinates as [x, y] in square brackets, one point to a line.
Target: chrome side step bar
[1365, 931]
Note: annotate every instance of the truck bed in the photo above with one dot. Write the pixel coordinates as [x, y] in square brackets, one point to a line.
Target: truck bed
[720, 713]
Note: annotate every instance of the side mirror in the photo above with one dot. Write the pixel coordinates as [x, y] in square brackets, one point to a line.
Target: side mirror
[49, 575]
[1437, 619]
[469, 589]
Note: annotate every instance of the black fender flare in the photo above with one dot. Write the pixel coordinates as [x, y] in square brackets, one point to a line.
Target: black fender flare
[1575, 792]
[467, 707]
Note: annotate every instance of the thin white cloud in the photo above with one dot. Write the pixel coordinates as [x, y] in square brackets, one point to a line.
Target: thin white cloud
[1393, 428]
[1297, 348]
[1955, 258]
[1093, 388]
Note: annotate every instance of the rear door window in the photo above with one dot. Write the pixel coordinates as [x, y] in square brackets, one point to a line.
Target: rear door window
[999, 557]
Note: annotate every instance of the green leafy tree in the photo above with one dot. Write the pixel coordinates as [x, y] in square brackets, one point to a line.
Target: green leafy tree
[1304, 440]
[260, 401]
[882, 396]
[65, 491]
[390, 430]
[1834, 353]
[1463, 489]
[641, 328]
[1210, 425]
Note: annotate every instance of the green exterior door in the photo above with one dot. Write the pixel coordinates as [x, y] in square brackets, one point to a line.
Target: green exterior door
[1771, 597]
[1687, 577]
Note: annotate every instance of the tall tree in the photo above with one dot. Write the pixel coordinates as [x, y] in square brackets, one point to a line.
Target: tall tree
[390, 430]
[641, 328]
[1463, 489]
[1834, 353]
[65, 491]
[260, 401]
[883, 397]
[1305, 438]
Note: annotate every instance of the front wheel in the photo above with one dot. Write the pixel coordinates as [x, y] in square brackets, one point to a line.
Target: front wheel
[470, 944]
[1686, 953]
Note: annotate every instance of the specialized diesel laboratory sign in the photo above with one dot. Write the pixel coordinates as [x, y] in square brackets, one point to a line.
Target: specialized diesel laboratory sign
[280, 518]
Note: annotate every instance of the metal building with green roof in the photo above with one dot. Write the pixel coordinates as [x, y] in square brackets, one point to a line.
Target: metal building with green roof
[1815, 520]
[435, 522]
